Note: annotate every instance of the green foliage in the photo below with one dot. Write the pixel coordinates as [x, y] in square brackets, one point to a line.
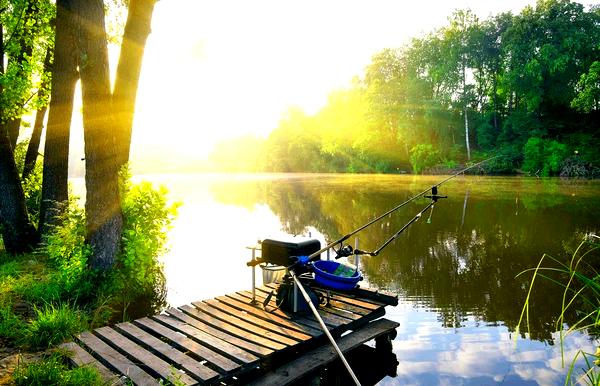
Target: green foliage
[542, 156]
[28, 24]
[147, 216]
[588, 97]
[68, 253]
[423, 156]
[137, 276]
[53, 371]
[534, 74]
[54, 325]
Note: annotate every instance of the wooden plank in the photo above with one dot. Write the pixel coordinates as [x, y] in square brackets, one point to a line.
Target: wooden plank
[371, 296]
[231, 328]
[368, 305]
[249, 322]
[223, 343]
[295, 318]
[330, 319]
[191, 366]
[241, 303]
[192, 346]
[116, 360]
[349, 307]
[341, 312]
[314, 359]
[144, 356]
[226, 304]
[346, 297]
[80, 357]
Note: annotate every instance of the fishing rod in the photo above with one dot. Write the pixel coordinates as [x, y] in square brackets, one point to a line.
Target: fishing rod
[347, 250]
[324, 328]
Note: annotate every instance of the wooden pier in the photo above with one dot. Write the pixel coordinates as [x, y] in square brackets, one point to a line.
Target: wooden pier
[230, 340]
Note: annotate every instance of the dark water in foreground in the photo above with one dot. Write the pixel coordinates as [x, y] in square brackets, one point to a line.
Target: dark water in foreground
[454, 273]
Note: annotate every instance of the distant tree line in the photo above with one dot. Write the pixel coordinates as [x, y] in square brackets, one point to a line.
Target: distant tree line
[525, 86]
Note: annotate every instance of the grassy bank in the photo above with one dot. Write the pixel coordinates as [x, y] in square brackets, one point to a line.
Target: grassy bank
[49, 296]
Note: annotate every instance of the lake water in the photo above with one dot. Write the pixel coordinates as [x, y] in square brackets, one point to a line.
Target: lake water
[454, 270]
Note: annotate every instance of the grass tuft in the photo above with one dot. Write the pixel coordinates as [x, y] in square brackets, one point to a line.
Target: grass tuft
[54, 325]
[53, 371]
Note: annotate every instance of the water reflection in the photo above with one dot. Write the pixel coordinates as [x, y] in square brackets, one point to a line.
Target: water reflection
[463, 262]
[455, 275]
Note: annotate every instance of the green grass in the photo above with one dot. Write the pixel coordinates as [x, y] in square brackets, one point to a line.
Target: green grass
[53, 371]
[54, 325]
[12, 328]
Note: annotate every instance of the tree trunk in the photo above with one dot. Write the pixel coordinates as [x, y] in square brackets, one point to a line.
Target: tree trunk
[18, 233]
[34, 142]
[136, 32]
[56, 148]
[103, 210]
[465, 110]
[495, 94]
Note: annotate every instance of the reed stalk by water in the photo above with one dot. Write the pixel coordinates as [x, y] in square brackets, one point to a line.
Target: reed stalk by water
[581, 293]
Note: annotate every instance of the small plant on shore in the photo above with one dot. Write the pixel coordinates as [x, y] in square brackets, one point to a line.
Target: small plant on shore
[54, 371]
[581, 291]
[54, 325]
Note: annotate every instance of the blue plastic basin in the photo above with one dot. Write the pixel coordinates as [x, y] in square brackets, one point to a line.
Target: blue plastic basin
[324, 276]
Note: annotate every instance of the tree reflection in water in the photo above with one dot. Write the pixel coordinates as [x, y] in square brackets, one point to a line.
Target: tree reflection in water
[463, 264]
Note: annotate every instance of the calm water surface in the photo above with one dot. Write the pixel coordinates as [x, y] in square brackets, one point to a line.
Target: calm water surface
[454, 272]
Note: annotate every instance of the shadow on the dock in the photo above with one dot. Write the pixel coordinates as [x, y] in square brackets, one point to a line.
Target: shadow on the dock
[370, 365]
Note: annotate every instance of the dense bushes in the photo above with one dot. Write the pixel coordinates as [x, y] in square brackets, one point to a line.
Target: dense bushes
[137, 275]
[543, 157]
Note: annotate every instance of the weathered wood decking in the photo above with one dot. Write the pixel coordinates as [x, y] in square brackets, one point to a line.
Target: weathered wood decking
[230, 340]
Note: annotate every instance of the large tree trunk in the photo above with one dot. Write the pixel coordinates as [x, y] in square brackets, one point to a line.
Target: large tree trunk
[102, 206]
[56, 148]
[18, 233]
[136, 32]
[34, 142]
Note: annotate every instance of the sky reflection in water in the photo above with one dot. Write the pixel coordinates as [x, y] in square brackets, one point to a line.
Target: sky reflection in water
[455, 277]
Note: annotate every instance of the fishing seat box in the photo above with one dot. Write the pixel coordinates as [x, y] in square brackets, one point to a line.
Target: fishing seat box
[280, 252]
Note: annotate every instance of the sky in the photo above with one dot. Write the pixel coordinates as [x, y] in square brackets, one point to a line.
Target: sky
[215, 70]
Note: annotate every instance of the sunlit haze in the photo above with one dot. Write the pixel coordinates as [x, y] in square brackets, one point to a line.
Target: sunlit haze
[219, 69]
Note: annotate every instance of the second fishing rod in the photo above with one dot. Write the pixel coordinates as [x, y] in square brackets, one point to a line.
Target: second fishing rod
[344, 251]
